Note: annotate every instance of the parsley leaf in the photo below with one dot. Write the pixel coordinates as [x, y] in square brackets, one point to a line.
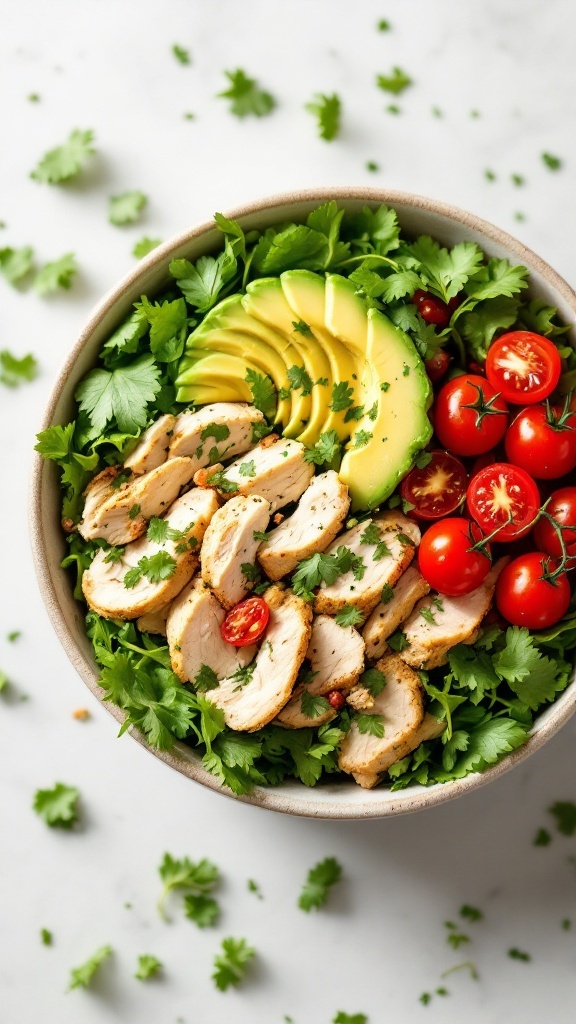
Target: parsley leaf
[518, 657]
[371, 725]
[122, 394]
[231, 963]
[518, 954]
[168, 326]
[542, 837]
[148, 967]
[202, 282]
[263, 391]
[398, 641]
[300, 378]
[325, 450]
[553, 163]
[219, 431]
[361, 438]
[471, 913]
[313, 570]
[489, 316]
[157, 567]
[499, 277]
[342, 396]
[446, 271]
[58, 806]
[16, 264]
[246, 95]
[206, 678]
[348, 616]
[203, 910]
[373, 680]
[396, 82]
[301, 327]
[126, 208]
[564, 811]
[313, 705]
[145, 245]
[46, 936]
[349, 1018]
[81, 977]
[318, 883]
[65, 161]
[14, 371]
[199, 878]
[327, 110]
[387, 594]
[159, 530]
[57, 274]
[181, 54]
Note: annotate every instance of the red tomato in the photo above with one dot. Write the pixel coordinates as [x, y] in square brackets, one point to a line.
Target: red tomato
[246, 622]
[446, 560]
[431, 309]
[524, 367]
[501, 491]
[541, 443]
[470, 417]
[526, 598]
[562, 508]
[438, 488]
[437, 365]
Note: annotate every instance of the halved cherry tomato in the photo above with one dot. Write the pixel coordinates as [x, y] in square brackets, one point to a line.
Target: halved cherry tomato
[446, 559]
[470, 417]
[525, 597]
[500, 492]
[437, 365]
[543, 442]
[432, 309]
[438, 488]
[562, 508]
[524, 367]
[246, 622]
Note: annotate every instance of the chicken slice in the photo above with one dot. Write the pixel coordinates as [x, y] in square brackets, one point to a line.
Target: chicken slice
[194, 637]
[401, 707]
[154, 622]
[317, 520]
[275, 470]
[387, 616]
[101, 487]
[380, 562]
[122, 517]
[103, 582]
[430, 729]
[336, 656]
[230, 543]
[254, 697]
[215, 432]
[152, 448]
[439, 622]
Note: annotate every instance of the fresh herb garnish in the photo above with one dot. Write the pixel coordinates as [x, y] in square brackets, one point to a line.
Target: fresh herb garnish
[65, 161]
[327, 110]
[126, 208]
[81, 977]
[321, 878]
[58, 806]
[231, 963]
[148, 967]
[246, 95]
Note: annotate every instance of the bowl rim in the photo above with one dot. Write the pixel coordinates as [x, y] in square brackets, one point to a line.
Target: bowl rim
[377, 803]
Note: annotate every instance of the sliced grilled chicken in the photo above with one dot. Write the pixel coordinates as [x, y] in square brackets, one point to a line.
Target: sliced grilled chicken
[152, 448]
[430, 729]
[275, 470]
[439, 622]
[360, 698]
[251, 700]
[194, 637]
[336, 656]
[380, 563]
[230, 543]
[122, 517]
[103, 583]
[321, 511]
[214, 432]
[401, 708]
[387, 616]
[154, 622]
[98, 491]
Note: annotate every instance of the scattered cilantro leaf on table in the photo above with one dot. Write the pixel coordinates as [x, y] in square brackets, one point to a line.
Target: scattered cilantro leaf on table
[126, 208]
[395, 82]
[122, 394]
[197, 878]
[553, 163]
[321, 878]
[349, 1018]
[65, 161]
[471, 913]
[253, 886]
[327, 110]
[231, 963]
[57, 806]
[46, 937]
[81, 977]
[564, 812]
[181, 54]
[56, 274]
[383, 25]
[16, 264]
[519, 954]
[4, 681]
[203, 910]
[148, 967]
[246, 95]
[15, 371]
[542, 838]
[145, 245]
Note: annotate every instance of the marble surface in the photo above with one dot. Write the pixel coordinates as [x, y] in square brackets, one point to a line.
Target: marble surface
[381, 940]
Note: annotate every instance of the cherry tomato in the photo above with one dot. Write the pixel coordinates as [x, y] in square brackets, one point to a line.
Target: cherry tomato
[524, 367]
[541, 443]
[246, 622]
[438, 488]
[501, 491]
[446, 560]
[336, 699]
[437, 365]
[526, 598]
[470, 417]
[562, 508]
[432, 309]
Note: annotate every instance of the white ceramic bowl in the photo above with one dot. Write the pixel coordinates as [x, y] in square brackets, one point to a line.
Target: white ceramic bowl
[417, 215]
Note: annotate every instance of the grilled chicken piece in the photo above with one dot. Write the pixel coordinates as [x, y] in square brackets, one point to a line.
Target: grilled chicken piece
[194, 637]
[399, 534]
[155, 622]
[430, 729]
[360, 698]
[456, 621]
[103, 582]
[336, 655]
[251, 702]
[214, 432]
[321, 511]
[229, 544]
[401, 707]
[98, 491]
[275, 470]
[152, 448]
[122, 517]
[386, 618]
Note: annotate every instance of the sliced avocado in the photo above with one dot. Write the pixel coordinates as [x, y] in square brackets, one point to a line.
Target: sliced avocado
[345, 313]
[397, 424]
[306, 294]
[222, 373]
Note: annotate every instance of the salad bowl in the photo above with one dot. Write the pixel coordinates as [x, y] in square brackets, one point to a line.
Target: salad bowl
[336, 797]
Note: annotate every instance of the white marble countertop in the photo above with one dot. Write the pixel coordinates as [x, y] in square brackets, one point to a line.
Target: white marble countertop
[381, 940]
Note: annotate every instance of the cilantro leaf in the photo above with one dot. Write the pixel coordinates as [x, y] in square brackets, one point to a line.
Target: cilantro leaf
[348, 616]
[370, 725]
[157, 567]
[553, 163]
[321, 878]
[126, 337]
[81, 977]
[542, 837]
[46, 936]
[518, 954]
[342, 396]
[247, 468]
[488, 741]
[14, 371]
[168, 325]
[181, 54]
[58, 806]
[57, 274]
[206, 678]
[473, 670]
[126, 208]
[312, 571]
[396, 82]
[350, 1018]
[219, 431]
[246, 95]
[373, 680]
[489, 316]
[516, 660]
[16, 264]
[202, 282]
[398, 641]
[446, 271]
[65, 161]
[145, 245]
[148, 967]
[387, 594]
[471, 913]
[542, 684]
[199, 878]
[231, 963]
[302, 328]
[122, 394]
[499, 277]
[564, 811]
[327, 110]
[263, 391]
[300, 378]
[361, 438]
[313, 705]
[203, 910]
[325, 450]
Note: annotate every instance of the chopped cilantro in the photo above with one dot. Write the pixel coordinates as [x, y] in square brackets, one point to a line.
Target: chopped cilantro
[157, 567]
[16, 264]
[300, 378]
[302, 328]
[355, 412]
[517, 180]
[243, 675]
[126, 208]
[428, 615]
[348, 616]
[519, 954]
[387, 594]
[314, 570]
[14, 371]
[250, 572]
[349, 1018]
[81, 977]
[203, 910]
[263, 391]
[14, 635]
[553, 163]
[321, 878]
[312, 705]
[327, 110]
[199, 878]
[373, 680]
[231, 963]
[325, 450]
[398, 641]
[471, 913]
[57, 274]
[371, 165]
[564, 812]
[396, 82]
[246, 95]
[371, 725]
[361, 438]
[260, 535]
[489, 175]
[148, 967]
[253, 886]
[122, 394]
[393, 108]
[341, 396]
[205, 679]
[181, 54]
[132, 513]
[384, 386]
[145, 245]
[247, 468]
[46, 937]
[65, 161]
[542, 837]
[58, 806]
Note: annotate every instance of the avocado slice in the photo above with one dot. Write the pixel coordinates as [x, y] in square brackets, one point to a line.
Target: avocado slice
[345, 313]
[222, 373]
[396, 425]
